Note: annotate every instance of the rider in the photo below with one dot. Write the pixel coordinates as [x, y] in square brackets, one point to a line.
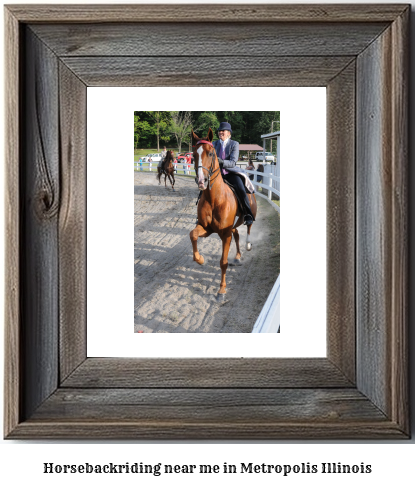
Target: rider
[227, 151]
[163, 158]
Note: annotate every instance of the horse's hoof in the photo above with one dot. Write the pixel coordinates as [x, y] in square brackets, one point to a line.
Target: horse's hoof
[248, 246]
[221, 297]
[236, 262]
[200, 261]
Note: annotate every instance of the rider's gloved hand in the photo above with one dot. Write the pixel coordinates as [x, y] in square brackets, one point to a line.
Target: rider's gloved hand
[220, 162]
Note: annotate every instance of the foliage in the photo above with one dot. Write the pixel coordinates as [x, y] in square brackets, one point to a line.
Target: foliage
[142, 129]
[203, 121]
[181, 124]
[174, 128]
[162, 121]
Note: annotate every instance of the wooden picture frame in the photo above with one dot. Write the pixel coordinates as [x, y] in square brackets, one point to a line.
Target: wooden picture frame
[359, 391]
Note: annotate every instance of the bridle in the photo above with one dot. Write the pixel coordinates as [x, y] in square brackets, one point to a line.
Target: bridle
[210, 170]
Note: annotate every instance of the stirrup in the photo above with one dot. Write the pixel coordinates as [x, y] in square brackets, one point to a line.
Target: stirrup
[248, 220]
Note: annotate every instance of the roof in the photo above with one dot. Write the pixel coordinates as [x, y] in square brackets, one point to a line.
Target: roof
[271, 135]
[250, 147]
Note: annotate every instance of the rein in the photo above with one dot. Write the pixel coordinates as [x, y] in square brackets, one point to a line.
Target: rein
[210, 170]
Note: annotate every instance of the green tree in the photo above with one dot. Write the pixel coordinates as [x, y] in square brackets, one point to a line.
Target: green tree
[161, 124]
[265, 124]
[153, 128]
[203, 121]
[142, 129]
[181, 123]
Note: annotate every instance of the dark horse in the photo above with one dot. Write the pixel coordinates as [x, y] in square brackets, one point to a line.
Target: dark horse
[167, 169]
[217, 207]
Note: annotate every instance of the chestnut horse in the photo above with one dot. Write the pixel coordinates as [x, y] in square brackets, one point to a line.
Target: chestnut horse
[167, 169]
[217, 208]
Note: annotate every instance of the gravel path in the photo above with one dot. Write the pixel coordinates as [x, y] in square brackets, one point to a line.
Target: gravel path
[172, 293]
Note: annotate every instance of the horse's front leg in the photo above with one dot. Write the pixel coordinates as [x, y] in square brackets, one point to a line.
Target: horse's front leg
[165, 177]
[197, 232]
[171, 183]
[226, 244]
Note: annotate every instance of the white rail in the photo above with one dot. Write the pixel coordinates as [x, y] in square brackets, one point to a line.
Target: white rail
[269, 181]
[269, 178]
[179, 168]
[269, 319]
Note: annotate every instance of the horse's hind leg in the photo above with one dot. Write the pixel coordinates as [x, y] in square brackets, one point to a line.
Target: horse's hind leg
[226, 244]
[238, 250]
[197, 232]
[248, 238]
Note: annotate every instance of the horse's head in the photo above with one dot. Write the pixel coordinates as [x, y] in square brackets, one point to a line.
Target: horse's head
[205, 159]
[169, 157]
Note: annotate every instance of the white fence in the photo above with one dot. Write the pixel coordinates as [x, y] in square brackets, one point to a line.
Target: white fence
[270, 179]
[180, 168]
[268, 320]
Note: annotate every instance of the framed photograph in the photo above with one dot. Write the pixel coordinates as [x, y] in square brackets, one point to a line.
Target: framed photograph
[53, 389]
[171, 292]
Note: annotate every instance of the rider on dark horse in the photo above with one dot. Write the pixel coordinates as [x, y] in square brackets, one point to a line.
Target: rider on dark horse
[163, 158]
[227, 151]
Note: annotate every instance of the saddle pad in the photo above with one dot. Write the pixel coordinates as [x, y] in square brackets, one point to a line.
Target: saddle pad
[248, 183]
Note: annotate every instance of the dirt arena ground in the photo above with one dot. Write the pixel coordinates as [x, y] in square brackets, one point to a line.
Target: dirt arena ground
[172, 293]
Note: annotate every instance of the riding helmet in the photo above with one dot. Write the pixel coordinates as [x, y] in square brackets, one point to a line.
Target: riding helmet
[225, 126]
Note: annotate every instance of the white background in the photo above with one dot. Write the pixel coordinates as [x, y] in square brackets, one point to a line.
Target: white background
[111, 233]
[392, 462]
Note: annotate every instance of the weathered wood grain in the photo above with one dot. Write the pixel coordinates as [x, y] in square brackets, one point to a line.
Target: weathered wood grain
[382, 222]
[12, 371]
[228, 406]
[184, 71]
[39, 213]
[373, 219]
[400, 232]
[72, 222]
[196, 40]
[206, 373]
[341, 236]
[247, 427]
[221, 13]
[188, 430]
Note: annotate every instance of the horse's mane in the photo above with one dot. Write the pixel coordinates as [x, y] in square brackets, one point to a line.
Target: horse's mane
[169, 158]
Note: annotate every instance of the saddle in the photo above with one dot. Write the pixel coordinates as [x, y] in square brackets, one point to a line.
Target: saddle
[234, 192]
[163, 165]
